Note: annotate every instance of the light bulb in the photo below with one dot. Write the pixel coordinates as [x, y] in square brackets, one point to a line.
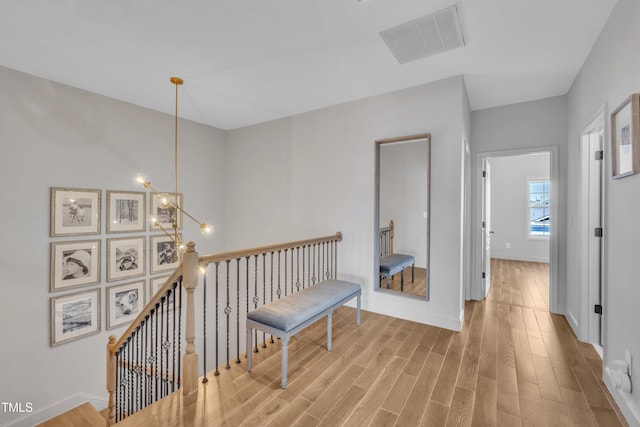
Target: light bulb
[206, 229]
[141, 180]
[166, 200]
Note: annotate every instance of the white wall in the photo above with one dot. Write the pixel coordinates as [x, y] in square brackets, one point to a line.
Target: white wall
[313, 174]
[52, 135]
[608, 76]
[403, 196]
[510, 177]
[526, 126]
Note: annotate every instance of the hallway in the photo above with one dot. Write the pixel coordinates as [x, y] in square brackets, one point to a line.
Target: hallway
[513, 364]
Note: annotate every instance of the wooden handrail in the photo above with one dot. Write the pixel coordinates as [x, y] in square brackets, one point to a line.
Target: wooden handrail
[243, 253]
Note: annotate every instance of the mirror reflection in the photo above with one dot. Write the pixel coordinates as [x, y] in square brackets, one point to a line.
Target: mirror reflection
[402, 214]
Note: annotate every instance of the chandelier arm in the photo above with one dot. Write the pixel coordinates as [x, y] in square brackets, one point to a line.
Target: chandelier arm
[164, 230]
[188, 214]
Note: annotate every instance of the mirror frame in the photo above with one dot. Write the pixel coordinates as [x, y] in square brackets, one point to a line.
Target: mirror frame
[376, 273]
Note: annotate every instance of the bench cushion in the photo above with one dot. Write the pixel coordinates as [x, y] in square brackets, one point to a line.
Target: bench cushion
[289, 312]
[393, 263]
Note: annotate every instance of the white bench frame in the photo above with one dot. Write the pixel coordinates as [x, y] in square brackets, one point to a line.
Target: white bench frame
[285, 335]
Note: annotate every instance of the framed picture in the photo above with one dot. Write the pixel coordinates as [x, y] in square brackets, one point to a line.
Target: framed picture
[74, 264]
[75, 316]
[164, 210]
[164, 255]
[75, 211]
[126, 211]
[625, 138]
[124, 303]
[125, 257]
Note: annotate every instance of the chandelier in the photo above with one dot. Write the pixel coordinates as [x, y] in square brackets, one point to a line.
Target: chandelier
[171, 200]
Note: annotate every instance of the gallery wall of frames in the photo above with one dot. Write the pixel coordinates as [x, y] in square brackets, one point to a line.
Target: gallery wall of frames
[89, 267]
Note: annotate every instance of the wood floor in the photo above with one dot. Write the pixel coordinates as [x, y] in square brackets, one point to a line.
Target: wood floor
[513, 364]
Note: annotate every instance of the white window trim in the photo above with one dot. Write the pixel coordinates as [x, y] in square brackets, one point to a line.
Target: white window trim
[527, 209]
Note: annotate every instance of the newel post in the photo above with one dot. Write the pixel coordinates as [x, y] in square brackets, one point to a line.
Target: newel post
[190, 282]
[111, 378]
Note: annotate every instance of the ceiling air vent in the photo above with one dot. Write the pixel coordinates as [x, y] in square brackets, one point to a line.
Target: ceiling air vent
[426, 36]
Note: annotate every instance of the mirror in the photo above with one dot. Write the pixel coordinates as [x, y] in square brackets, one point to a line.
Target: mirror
[402, 181]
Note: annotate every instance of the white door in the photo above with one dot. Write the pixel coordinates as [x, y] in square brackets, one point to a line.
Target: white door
[486, 227]
[595, 239]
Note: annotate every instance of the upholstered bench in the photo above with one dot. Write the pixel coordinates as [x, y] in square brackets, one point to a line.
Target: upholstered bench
[289, 315]
[391, 264]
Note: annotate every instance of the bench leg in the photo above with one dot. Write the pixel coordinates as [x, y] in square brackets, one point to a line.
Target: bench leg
[412, 274]
[388, 281]
[402, 280]
[285, 360]
[329, 316]
[249, 348]
[358, 312]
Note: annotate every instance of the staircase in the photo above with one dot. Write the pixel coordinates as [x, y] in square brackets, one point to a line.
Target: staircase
[84, 415]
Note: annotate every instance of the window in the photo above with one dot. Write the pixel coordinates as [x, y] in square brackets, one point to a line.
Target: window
[539, 207]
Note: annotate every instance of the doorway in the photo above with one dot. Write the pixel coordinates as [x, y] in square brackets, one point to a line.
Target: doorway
[534, 225]
[591, 220]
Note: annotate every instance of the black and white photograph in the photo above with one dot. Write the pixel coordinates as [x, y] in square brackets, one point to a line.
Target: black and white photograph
[124, 303]
[126, 211]
[74, 316]
[125, 258]
[164, 255]
[74, 264]
[75, 211]
[164, 212]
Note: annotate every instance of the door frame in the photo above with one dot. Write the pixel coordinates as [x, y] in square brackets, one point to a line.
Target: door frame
[587, 292]
[476, 290]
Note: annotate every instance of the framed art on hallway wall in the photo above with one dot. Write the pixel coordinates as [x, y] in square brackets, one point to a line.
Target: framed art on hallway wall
[75, 316]
[124, 303]
[125, 257]
[75, 211]
[74, 264]
[164, 254]
[164, 212]
[625, 138]
[126, 211]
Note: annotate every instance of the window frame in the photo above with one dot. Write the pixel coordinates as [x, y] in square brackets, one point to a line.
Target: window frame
[528, 208]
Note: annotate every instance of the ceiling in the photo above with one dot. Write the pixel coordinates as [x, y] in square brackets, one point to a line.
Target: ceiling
[251, 61]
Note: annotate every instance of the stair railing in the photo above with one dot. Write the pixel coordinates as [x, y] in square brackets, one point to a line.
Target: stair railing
[146, 363]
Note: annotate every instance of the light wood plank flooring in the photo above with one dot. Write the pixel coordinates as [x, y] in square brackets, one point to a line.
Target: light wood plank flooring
[513, 364]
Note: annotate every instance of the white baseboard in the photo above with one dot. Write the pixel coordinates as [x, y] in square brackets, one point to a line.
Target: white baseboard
[624, 401]
[41, 415]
